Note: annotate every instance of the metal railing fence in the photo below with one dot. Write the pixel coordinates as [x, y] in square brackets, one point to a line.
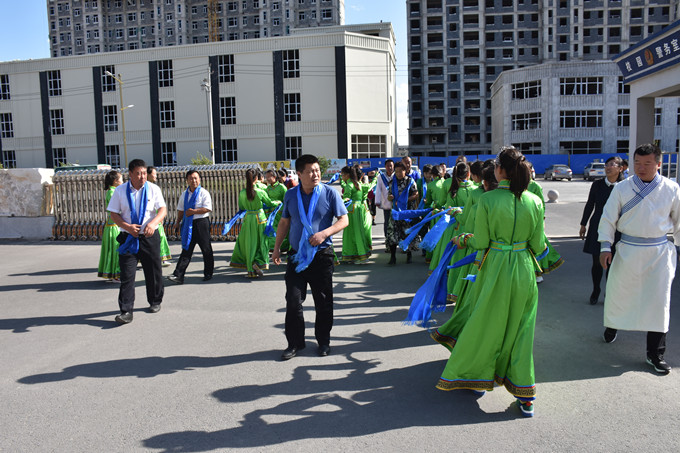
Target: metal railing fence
[78, 198]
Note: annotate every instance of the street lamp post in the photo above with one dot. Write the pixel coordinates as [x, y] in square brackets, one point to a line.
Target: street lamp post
[206, 86]
[122, 110]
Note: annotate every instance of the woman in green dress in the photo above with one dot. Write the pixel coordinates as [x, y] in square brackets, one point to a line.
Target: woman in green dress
[357, 240]
[496, 343]
[251, 251]
[109, 268]
[276, 191]
[459, 190]
[152, 176]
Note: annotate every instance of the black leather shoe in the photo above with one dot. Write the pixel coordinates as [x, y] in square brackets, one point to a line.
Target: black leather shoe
[594, 297]
[324, 350]
[659, 364]
[290, 353]
[155, 308]
[124, 318]
[609, 335]
[392, 261]
[207, 278]
[176, 279]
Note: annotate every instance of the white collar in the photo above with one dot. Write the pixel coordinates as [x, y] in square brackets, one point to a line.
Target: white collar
[609, 184]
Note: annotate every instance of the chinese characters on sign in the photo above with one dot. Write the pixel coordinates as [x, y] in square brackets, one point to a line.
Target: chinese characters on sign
[653, 55]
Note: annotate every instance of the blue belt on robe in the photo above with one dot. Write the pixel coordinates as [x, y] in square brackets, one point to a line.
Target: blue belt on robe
[643, 242]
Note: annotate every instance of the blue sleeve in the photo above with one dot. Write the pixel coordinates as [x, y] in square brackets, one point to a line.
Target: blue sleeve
[285, 212]
[336, 203]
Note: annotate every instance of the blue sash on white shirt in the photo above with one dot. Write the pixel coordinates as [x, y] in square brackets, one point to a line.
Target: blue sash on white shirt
[644, 190]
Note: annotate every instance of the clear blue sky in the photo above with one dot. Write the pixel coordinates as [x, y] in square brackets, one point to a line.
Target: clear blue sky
[24, 35]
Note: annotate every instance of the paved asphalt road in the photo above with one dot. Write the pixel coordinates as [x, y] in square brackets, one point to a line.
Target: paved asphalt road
[204, 375]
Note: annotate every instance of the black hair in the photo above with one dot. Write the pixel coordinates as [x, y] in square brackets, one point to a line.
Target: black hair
[136, 163]
[354, 173]
[150, 169]
[191, 172]
[388, 160]
[273, 172]
[460, 172]
[489, 176]
[281, 173]
[619, 162]
[250, 183]
[476, 168]
[110, 178]
[624, 162]
[435, 171]
[302, 161]
[399, 165]
[427, 168]
[516, 168]
[648, 149]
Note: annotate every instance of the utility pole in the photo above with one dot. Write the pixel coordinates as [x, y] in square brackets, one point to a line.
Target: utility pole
[206, 86]
[122, 110]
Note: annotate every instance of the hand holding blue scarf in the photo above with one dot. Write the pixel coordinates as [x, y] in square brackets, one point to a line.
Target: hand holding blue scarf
[188, 220]
[305, 252]
[131, 244]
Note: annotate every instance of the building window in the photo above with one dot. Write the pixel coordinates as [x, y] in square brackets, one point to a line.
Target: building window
[167, 109]
[594, 147]
[110, 118]
[57, 122]
[9, 159]
[165, 73]
[54, 83]
[58, 157]
[622, 146]
[623, 118]
[526, 90]
[291, 107]
[4, 87]
[657, 116]
[169, 154]
[293, 147]
[526, 121]
[226, 68]
[366, 146]
[326, 14]
[232, 6]
[227, 111]
[624, 88]
[580, 118]
[113, 155]
[572, 86]
[291, 64]
[229, 150]
[6, 127]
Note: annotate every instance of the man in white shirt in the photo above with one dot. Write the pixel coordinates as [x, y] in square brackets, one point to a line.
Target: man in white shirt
[382, 191]
[199, 233]
[644, 208]
[138, 207]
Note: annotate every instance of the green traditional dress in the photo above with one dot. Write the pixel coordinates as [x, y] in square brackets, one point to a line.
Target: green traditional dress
[464, 193]
[109, 266]
[357, 241]
[252, 246]
[553, 259]
[496, 342]
[276, 192]
[165, 249]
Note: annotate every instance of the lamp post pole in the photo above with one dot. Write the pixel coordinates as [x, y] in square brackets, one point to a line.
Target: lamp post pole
[206, 86]
[122, 110]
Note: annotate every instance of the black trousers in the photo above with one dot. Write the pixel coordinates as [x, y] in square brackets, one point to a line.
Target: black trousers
[149, 255]
[388, 214]
[656, 343]
[200, 235]
[319, 276]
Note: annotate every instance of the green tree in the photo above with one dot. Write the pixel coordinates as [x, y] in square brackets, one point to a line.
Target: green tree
[324, 163]
[200, 159]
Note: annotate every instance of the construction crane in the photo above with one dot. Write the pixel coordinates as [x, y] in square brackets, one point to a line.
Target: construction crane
[213, 21]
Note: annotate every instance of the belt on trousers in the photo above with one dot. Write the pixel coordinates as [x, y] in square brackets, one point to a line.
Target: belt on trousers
[643, 242]
[328, 250]
[501, 246]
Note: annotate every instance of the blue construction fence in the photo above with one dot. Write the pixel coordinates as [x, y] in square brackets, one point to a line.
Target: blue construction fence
[576, 162]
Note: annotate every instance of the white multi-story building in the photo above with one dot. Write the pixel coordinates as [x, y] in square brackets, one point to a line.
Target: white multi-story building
[573, 108]
[328, 91]
[457, 49]
[79, 27]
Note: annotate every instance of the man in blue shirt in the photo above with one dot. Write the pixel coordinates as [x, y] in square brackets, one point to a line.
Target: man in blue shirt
[311, 260]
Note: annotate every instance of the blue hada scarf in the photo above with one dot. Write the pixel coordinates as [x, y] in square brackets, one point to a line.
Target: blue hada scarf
[131, 244]
[306, 252]
[188, 220]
